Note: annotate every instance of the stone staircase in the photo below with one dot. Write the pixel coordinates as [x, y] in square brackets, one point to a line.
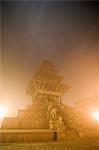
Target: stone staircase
[71, 133]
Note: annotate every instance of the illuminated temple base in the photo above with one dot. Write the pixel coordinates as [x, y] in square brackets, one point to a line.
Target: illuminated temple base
[30, 135]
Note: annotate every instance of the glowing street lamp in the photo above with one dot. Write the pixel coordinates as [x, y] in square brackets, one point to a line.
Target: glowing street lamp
[3, 111]
[96, 116]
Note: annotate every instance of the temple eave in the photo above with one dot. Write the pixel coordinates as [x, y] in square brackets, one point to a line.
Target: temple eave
[50, 92]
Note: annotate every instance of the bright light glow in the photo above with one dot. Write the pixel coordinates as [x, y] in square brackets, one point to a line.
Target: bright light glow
[96, 115]
[3, 111]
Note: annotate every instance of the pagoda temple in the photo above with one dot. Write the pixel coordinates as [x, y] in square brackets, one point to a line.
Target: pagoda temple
[47, 118]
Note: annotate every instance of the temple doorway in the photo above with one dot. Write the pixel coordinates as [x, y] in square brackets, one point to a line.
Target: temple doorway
[55, 136]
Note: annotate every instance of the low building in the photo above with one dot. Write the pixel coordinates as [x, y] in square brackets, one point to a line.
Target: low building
[86, 109]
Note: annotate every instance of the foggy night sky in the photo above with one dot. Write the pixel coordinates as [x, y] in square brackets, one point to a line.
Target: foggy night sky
[67, 33]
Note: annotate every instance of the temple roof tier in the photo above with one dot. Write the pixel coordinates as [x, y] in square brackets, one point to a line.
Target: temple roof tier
[47, 81]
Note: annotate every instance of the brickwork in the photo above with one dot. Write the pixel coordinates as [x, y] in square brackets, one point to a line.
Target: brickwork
[31, 136]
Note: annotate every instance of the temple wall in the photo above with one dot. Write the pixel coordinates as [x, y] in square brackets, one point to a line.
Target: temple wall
[33, 114]
[25, 136]
[15, 123]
